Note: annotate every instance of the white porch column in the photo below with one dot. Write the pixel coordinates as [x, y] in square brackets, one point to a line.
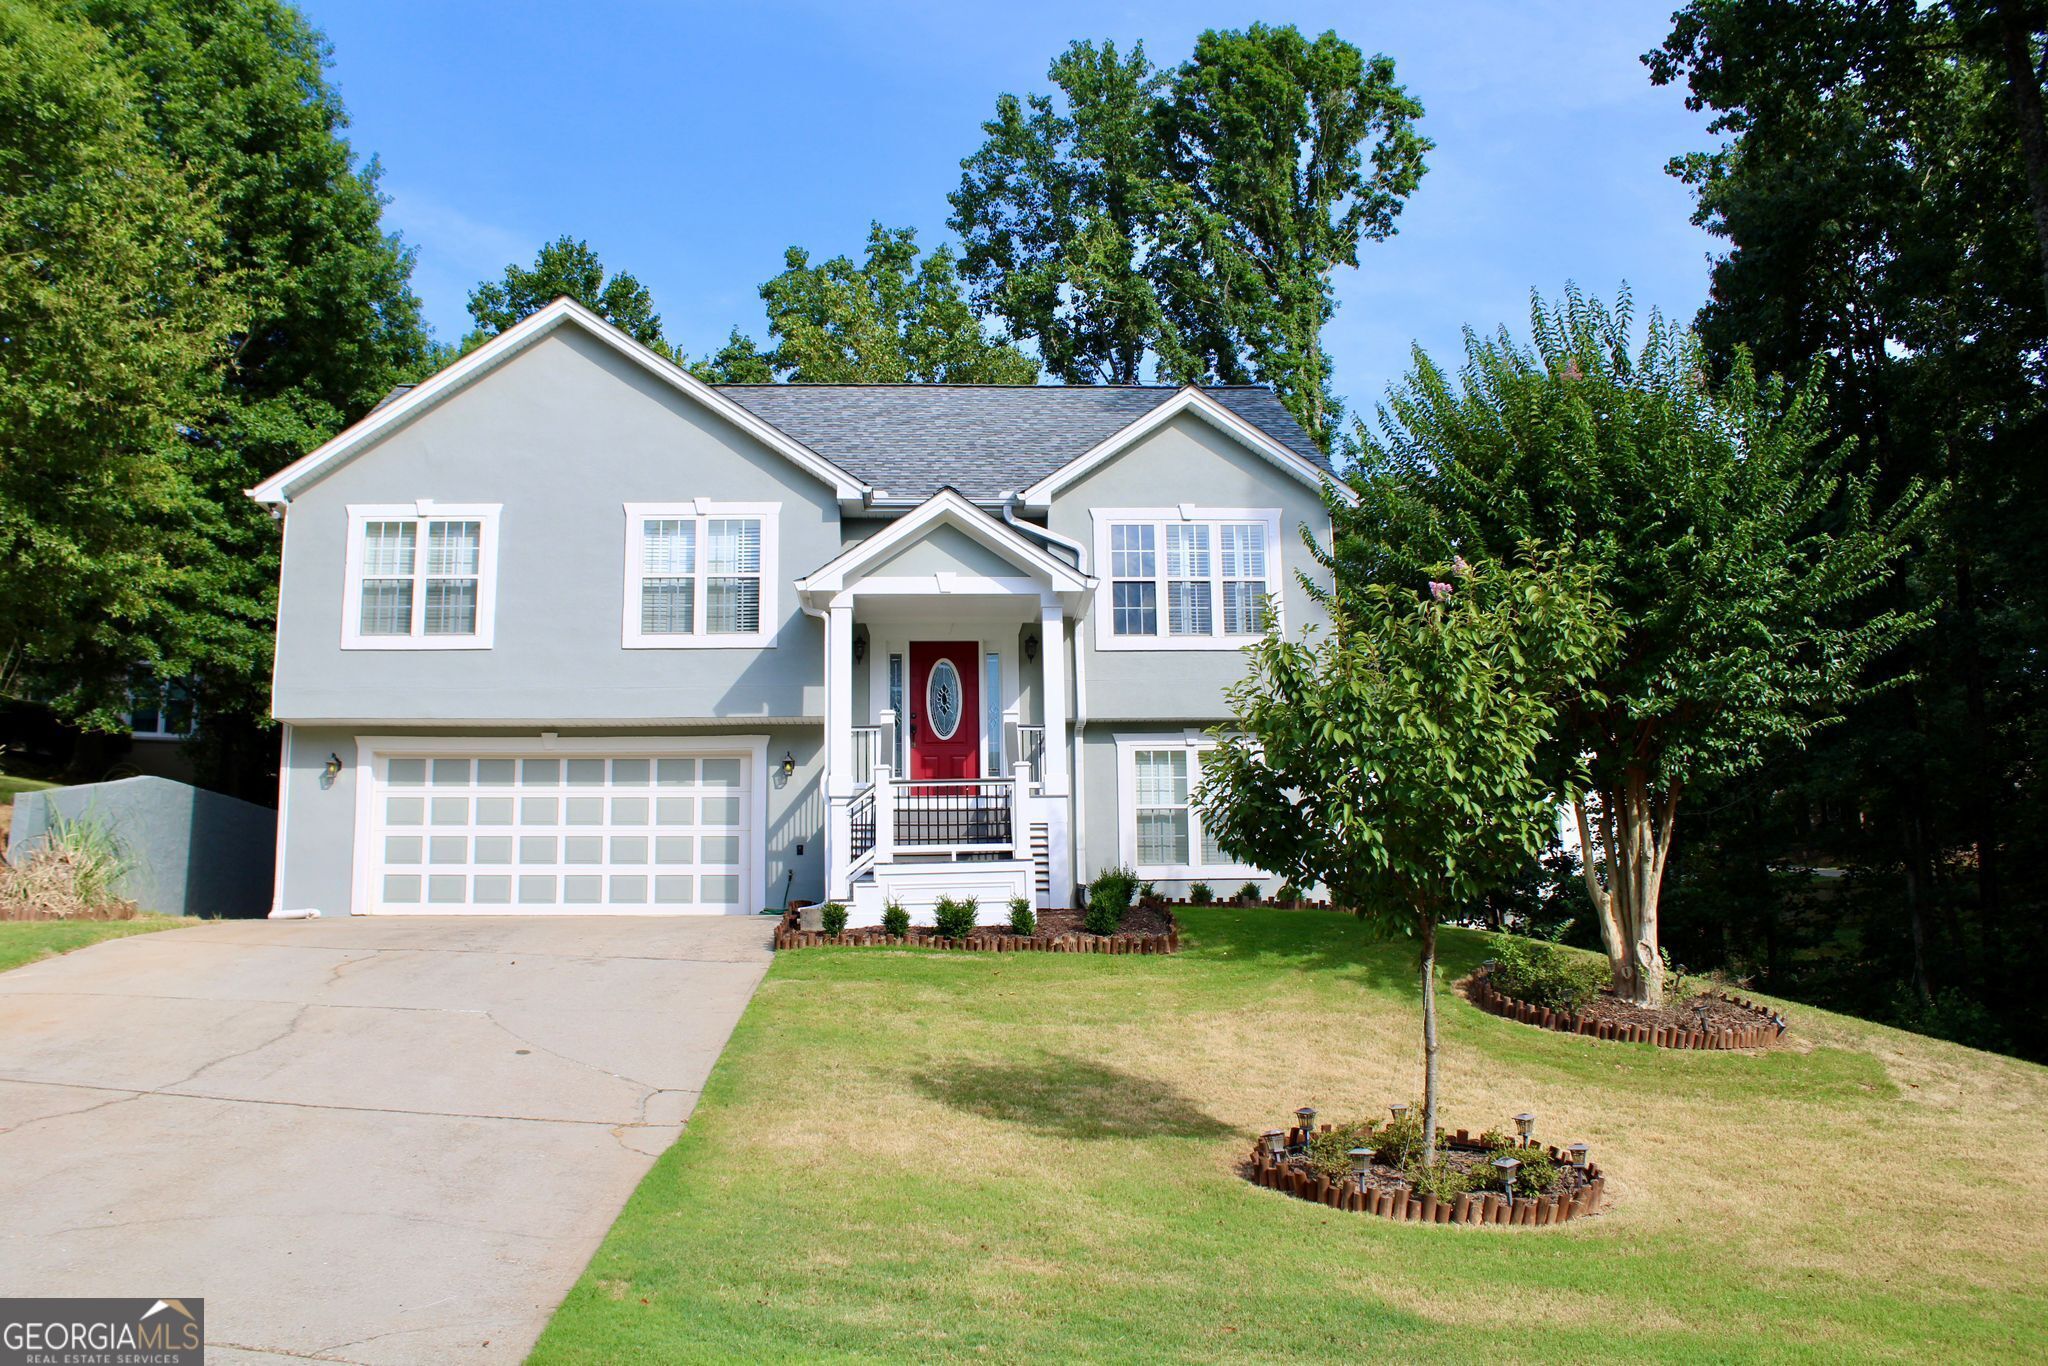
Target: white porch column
[1052, 639]
[839, 776]
[840, 779]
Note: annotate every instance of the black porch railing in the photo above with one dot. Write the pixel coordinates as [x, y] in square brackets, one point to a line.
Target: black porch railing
[952, 814]
[862, 818]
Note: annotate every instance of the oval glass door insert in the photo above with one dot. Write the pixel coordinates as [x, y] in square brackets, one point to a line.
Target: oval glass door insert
[942, 699]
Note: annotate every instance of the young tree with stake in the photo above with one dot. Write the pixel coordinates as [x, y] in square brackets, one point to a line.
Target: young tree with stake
[1396, 761]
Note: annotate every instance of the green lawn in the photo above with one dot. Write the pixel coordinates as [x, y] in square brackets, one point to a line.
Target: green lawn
[10, 786]
[916, 1154]
[25, 941]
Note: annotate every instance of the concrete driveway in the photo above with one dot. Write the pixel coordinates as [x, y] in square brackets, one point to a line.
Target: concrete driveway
[388, 1140]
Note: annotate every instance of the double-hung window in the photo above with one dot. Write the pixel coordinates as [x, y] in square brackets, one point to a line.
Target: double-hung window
[1186, 578]
[700, 574]
[1160, 829]
[420, 576]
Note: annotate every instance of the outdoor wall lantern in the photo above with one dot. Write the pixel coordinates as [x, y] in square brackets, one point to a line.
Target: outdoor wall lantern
[330, 770]
[1276, 1141]
[1578, 1152]
[1400, 1112]
[1525, 1124]
[1507, 1167]
[788, 763]
[1031, 648]
[860, 648]
[1361, 1160]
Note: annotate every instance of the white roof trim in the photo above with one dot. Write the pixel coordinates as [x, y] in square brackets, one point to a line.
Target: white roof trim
[954, 510]
[1189, 400]
[281, 487]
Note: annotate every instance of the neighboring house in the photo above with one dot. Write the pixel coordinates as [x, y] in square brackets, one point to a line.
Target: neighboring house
[563, 629]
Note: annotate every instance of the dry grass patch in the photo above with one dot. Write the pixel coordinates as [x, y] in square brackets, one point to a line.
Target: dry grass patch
[1032, 1157]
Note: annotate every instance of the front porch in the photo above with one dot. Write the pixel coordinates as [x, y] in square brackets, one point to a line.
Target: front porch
[947, 677]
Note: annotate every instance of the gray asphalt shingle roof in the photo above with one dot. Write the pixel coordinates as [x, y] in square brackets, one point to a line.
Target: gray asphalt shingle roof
[911, 440]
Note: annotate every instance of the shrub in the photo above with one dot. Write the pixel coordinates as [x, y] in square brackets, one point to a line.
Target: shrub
[895, 919]
[1023, 920]
[1288, 894]
[833, 918]
[1201, 894]
[1399, 1141]
[1330, 1153]
[1546, 975]
[1442, 1180]
[956, 918]
[1537, 1175]
[69, 874]
[1249, 894]
[1109, 897]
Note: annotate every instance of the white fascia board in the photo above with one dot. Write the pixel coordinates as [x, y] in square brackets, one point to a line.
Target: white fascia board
[1188, 400]
[279, 488]
[954, 510]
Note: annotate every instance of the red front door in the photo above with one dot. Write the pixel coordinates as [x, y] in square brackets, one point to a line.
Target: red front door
[945, 709]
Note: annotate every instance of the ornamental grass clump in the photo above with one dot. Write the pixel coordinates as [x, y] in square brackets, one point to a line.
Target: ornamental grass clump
[955, 918]
[69, 874]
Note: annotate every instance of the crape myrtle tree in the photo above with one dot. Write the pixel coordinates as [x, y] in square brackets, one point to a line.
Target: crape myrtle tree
[1739, 555]
[1398, 761]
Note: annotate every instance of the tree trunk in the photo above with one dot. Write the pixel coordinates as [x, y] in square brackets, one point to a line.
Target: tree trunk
[2016, 45]
[1627, 882]
[1429, 1063]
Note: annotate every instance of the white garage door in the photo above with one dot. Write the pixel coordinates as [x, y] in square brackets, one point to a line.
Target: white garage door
[610, 834]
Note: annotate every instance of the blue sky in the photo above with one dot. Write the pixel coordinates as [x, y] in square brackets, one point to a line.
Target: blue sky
[691, 143]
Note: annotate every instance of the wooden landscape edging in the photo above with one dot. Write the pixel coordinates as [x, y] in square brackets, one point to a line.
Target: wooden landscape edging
[790, 934]
[1473, 1207]
[1480, 991]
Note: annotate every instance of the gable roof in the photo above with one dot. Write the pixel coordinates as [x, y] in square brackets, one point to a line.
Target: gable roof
[946, 507]
[406, 401]
[907, 441]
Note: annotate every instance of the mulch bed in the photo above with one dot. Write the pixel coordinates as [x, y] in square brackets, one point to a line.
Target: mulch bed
[1387, 1193]
[1731, 1022]
[1146, 928]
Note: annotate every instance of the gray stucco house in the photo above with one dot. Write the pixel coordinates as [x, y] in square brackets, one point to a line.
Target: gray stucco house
[563, 629]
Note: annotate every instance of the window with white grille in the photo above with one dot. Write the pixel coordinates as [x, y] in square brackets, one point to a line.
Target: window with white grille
[1186, 578]
[420, 576]
[699, 574]
[1160, 829]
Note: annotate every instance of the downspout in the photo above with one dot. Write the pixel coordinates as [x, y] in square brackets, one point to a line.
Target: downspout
[1077, 769]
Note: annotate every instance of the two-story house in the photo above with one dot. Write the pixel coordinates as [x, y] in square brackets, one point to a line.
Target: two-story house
[563, 629]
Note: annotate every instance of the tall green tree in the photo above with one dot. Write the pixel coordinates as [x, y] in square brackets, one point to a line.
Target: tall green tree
[891, 318]
[565, 268]
[1875, 191]
[1739, 554]
[234, 93]
[1192, 218]
[1295, 151]
[1397, 762]
[115, 314]
[1058, 210]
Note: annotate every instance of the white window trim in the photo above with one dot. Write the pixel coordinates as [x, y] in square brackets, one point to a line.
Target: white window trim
[163, 697]
[352, 637]
[1104, 608]
[1196, 743]
[699, 509]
